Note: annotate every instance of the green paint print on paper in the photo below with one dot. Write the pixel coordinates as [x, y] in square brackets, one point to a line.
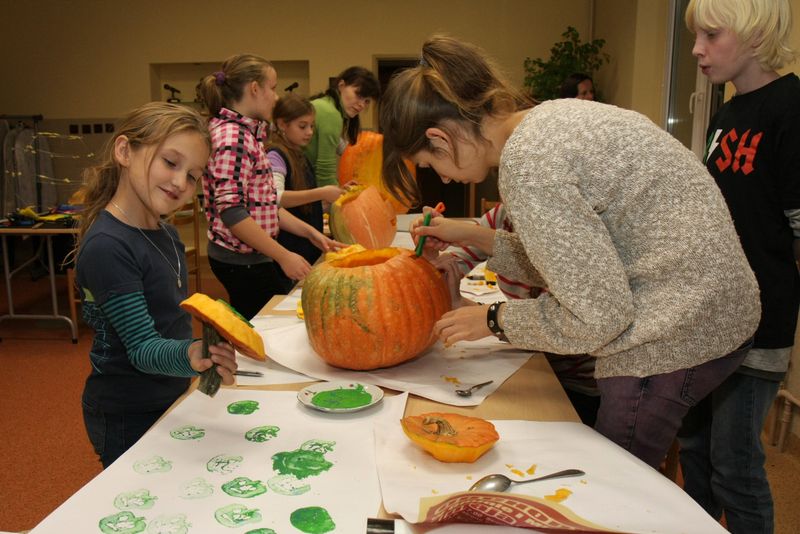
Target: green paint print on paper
[139, 499]
[154, 464]
[260, 434]
[312, 520]
[197, 488]
[244, 487]
[287, 485]
[224, 463]
[236, 515]
[318, 445]
[300, 463]
[261, 531]
[187, 432]
[245, 407]
[169, 524]
[342, 398]
[122, 523]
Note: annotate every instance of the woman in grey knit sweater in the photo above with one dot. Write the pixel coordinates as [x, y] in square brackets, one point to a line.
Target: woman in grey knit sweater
[617, 219]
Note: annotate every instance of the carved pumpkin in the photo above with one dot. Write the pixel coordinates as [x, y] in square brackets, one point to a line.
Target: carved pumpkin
[363, 162]
[362, 215]
[450, 437]
[230, 325]
[374, 308]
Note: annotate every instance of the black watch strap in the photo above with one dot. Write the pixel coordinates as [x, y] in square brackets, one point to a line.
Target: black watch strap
[491, 318]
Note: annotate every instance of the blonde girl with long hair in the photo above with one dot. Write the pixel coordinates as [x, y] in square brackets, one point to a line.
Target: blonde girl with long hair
[131, 270]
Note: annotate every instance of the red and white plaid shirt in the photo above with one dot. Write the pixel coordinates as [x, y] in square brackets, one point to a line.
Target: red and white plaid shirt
[238, 174]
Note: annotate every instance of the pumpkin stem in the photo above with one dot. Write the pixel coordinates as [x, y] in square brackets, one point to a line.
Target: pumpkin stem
[443, 427]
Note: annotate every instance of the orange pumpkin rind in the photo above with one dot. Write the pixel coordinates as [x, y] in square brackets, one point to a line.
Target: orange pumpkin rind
[451, 437]
[229, 325]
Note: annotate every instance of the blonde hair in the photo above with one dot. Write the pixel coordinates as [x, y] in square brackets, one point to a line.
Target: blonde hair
[148, 125]
[767, 24]
[455, 83]
[226, 86]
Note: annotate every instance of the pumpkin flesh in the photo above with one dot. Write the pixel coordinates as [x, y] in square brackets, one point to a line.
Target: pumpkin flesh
[451, 437]
[229, 324]
[373, 309]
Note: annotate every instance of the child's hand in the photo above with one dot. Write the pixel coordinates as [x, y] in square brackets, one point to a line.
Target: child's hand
[324, 243]
[442, 232]
[330, 193]
[294, 266]
[447, 264]
[222, 354]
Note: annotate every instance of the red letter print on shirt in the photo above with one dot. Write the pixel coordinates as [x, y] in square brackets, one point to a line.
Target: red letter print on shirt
[744, 156]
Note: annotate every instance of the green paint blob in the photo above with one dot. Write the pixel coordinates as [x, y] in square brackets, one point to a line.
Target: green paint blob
[223, 463]
[300, 463]
[312, 520]
[261, 434]
[197, 488]
[122, 523]
[154, 464]
[236, 515]
[169, 524]
[342, 398]
[187, 432]
[287, 485]
[139, 499]
[261, 531]
[244, 487]
[245, 407]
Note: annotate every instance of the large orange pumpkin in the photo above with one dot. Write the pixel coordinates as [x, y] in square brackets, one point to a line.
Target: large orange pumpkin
[450, 437]
[374, 308]
[363, 215]
[363, 162]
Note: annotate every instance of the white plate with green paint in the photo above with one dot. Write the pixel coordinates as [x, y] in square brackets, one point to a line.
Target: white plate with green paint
[340, 397]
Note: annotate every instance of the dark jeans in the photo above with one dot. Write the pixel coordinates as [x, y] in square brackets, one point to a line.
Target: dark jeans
[250, 286]
[113, 434]
[722, 457]
[643, 415]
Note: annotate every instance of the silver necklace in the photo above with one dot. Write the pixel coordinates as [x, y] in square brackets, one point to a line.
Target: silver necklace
[177, 257]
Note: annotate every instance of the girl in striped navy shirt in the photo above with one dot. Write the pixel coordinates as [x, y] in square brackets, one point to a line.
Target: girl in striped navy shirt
[131, 269]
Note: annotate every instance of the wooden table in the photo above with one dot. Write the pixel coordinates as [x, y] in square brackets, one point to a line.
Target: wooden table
[47, 233]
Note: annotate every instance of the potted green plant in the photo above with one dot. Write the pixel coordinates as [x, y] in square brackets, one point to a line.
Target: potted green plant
[543, 78]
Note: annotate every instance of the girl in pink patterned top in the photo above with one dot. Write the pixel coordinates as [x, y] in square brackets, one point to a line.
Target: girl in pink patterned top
[241, 201]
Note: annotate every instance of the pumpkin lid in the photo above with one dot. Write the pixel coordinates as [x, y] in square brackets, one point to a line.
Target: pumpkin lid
[451, 428]
[228, 323]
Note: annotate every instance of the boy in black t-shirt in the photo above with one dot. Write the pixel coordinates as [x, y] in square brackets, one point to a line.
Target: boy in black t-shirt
[753, 154]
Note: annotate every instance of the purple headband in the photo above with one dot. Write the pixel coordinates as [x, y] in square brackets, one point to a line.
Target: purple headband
[219, 76]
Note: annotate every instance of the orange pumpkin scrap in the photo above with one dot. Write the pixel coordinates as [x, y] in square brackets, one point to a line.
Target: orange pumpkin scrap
[374, 308]
[363, 162]
[228, 323]
[450, 437]
[362, 215]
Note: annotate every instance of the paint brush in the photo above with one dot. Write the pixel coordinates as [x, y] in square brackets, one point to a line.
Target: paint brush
[248, 373]
[426, 222]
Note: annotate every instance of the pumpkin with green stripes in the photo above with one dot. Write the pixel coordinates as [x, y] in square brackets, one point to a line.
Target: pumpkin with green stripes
[373, 308]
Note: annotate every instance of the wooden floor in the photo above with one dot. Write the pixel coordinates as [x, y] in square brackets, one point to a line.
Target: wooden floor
[44, 454]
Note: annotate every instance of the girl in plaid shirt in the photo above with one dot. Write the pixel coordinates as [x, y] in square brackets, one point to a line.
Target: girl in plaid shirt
[241, 202]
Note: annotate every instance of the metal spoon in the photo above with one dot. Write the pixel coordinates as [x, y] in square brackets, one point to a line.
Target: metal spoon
[467, 392]
[499, 482]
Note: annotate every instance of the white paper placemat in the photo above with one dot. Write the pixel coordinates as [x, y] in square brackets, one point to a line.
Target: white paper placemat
[184, 485]
[274, 373]
[619, 491]
[433, 375]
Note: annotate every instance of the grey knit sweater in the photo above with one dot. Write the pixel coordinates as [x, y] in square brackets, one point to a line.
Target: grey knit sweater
[631, 237]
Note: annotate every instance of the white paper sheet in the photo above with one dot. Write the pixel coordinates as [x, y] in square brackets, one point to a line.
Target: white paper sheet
[618, 492]
[432, 375]
[274, 373]
[348, 489]
[289, 303]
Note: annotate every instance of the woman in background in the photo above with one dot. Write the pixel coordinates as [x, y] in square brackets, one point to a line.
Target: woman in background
[337, 123]
[578, 85]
